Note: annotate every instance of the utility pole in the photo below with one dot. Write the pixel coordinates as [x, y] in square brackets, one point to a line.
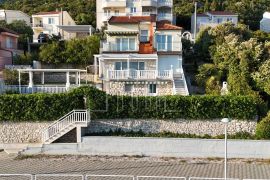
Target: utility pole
[195, 20]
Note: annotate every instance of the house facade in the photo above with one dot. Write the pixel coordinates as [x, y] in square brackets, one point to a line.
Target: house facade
[48, 22]
[11, 15]
[107, 8]
[8, 46]
[141, 57]
[265, 22]
[212, 18]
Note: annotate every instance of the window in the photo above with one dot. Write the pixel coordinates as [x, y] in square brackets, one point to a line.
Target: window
[120, 65]
[125, 44]
[116, 12]
[152, 88]
[51, 21]
[136, 65]
[132, 9]
[107, 12]
[128, 87]
[229, 19]
[164, 42]
[144, 36]
[219, 20]
[8, 42]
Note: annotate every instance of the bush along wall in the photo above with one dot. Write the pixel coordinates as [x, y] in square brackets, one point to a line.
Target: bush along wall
[38, 107]
[105, 106]
[50, 107]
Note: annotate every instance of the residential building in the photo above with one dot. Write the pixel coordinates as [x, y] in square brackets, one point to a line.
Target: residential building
[107, 8]
[212, 18]
[141, 57]
[47, 22]
[265, 22]
[11, 15]
[8, 46]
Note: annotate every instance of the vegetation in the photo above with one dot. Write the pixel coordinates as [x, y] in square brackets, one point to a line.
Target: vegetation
[166, 134]
[22, 29]
[11, 77]
[263, 128]
[75, 51]
[35, 107]
[83, 12]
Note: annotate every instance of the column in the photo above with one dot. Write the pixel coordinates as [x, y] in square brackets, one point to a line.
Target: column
[42, 78]
[76, 78]
[67, 81]
[79, 134]
[95, 65]
[30, 85]
[79, 78]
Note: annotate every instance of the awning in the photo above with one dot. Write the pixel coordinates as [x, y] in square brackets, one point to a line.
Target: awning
[77, 28]
[115, 33]
[51, 70]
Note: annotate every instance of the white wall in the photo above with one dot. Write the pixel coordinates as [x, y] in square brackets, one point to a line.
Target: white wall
[11, 15]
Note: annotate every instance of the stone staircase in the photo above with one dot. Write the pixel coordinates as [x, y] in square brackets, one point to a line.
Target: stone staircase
[74, 119]
[180, 85]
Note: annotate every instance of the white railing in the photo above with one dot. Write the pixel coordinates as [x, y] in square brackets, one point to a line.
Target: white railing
[24, 89]
[114, 47]
[168, 3]
[15, 67]
[165, 17]
[139, 74]
[81, 117]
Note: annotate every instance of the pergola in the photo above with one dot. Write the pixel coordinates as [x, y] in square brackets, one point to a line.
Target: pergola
[42, 71]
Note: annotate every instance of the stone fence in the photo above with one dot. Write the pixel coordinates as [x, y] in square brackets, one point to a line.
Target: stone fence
[30, 132]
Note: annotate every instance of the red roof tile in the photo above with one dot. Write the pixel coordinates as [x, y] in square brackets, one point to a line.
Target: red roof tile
[167, 26]
[222, 13]
[131, 19]
[47, 13]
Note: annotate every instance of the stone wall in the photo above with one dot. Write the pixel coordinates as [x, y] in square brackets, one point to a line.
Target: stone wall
[198, 127]
[21, 132]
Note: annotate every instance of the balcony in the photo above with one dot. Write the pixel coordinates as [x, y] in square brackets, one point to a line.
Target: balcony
[115, 47]
[162, 17]
[149, 3]
[165, 3]
[139, 74]
[114, 3]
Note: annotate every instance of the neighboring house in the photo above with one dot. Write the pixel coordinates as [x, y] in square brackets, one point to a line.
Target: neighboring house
[8, 46]
[58, 23]
[265, 22]
[107, 8]
[11, 15]
[213, 18]
[141, 57]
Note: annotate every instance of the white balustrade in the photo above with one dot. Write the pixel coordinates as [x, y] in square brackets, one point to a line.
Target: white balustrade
[74, 117]
[139, 74]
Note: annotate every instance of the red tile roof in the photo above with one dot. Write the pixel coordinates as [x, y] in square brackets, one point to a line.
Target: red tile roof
[47, 13]
[222, 13]
[167, 26]
[131, 19]
[8, 31]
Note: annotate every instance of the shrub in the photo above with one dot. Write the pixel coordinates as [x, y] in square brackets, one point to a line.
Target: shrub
[105, 106]
[11, 77]
[263, 128]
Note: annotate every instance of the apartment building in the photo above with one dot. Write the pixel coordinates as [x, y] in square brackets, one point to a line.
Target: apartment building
[212, 18]
[141, 57]
[11, 15]
[48, 22]
[107, 8]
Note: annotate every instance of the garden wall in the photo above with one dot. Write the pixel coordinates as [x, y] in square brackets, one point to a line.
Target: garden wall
[181, 126]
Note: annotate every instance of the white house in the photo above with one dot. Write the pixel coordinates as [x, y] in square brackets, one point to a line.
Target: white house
[12, 15]
[212, 18]
[107, 8]
[141, 57]
[265, 22]
[47, 22]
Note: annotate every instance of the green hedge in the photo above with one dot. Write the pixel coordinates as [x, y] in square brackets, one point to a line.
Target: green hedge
[263, 128]
[38, 107]
[49, 107]
[171, 107]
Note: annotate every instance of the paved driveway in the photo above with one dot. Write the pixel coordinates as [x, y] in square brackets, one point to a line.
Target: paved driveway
[131, 166]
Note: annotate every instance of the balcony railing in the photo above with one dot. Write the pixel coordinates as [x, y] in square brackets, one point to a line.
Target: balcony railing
[138, 74]
[149, 3]
[167, 16]
[167, 3]
[168, 47]
[114, 3]
[114, 47]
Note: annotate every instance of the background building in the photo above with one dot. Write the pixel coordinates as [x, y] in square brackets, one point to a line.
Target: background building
[265, 22]
[12, 15]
